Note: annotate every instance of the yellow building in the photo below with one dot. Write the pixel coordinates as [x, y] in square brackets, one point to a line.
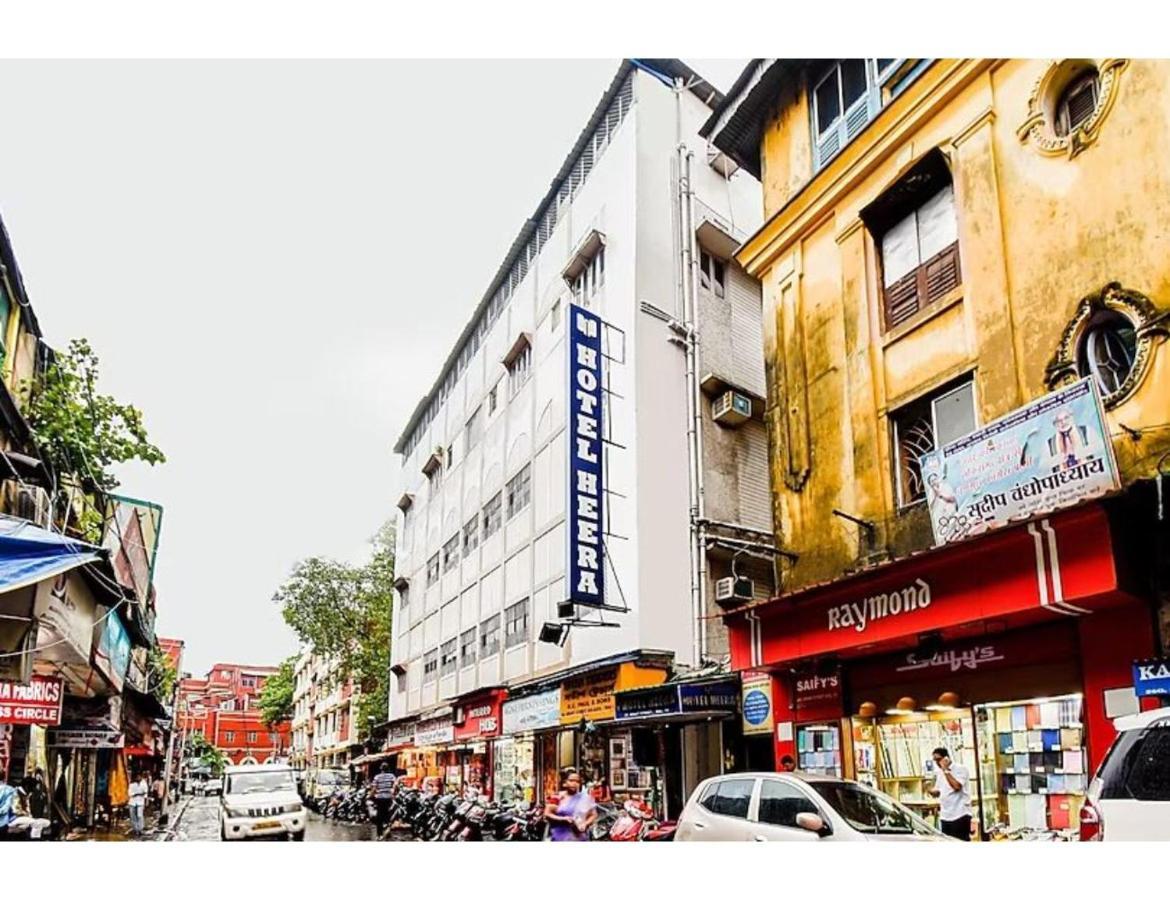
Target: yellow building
[945, 242]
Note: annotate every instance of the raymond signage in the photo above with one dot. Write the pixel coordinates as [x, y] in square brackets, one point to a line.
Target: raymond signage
[858, 614]
[1053, 453]
[434, 732]
[36, 703]
[586, 481]
[757, 703]
[1151, 678]
[533, 712]
[588, 697]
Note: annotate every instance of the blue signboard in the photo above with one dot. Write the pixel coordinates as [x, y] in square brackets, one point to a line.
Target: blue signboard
[717, 696]
[113, 651]
[586, 560]
[756, 706]
[1151, 678]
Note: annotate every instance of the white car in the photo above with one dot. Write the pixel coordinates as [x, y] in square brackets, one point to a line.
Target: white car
[1129, 797]
[783, 806]
[261, 801]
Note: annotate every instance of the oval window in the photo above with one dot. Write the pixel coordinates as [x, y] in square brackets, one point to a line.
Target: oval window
[1107, 351]
[1077, 102]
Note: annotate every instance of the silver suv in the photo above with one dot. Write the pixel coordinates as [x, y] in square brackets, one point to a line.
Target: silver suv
[1129, 797]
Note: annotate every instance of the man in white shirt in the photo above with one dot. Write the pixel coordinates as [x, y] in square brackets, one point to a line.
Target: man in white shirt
[954, 801]
[139, 789]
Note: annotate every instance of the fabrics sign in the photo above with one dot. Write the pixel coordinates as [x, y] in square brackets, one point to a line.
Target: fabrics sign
[532, 712]
[1053, 453]
[36, 703]
[586, 482]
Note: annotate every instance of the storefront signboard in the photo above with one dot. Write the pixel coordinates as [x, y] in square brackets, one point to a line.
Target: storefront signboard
[588, 697]
[586, 481]
[533, 712]
[400, 733]
[757, 703]
[434, 732]
[647, 703]
[86, 738]
[816, 690]
[1052, 453]
[1151, 678]
[712, 696]
[112, 654]
[37, 702]
[478, 719]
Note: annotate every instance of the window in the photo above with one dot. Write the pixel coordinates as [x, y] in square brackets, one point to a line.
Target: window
[248, 681]
[845, 97]
[492, 400]
[729, 798]
[489, 637]
[449, 455]
[451, 553]
[471, 535]
[467, 648]
[432, 570]
[1077, 103]
[491, 516]
[1107, 351]
[448, 658]
[590, 279]
[519, 491]
[869, 811]
[711, 273]
[403, 597]
[229, 737]
[519, 368]
[516, 624]
[473, 431]
[252, 737]
[400, 683]
[1149, 773]
[780, 803]
[925, 425]
[430, 667]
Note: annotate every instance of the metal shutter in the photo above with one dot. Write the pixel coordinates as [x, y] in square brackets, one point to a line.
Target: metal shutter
[747, 330]
[755, 498]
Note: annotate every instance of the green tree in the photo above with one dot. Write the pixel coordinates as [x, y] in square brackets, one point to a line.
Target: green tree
[161, 675]
[343, 612]
[82, 433]
[207, 754]
[276, 697]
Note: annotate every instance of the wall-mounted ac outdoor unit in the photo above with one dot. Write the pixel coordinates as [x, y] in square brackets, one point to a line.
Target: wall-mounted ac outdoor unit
[732, 589]
[731, 408]
[27, 501]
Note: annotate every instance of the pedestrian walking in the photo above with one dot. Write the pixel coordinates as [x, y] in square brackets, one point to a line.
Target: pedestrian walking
[383, 796]
[139, 790]
[158, 791]
[950, 786]
[573, 812]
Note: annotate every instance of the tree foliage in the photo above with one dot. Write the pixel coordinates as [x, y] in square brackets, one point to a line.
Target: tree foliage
[81, 431]
[207, 754]
[342, 612]
[276, 697]
[161, 675]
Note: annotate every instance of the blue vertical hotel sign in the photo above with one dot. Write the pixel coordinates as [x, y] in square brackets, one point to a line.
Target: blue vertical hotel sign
[586, 575]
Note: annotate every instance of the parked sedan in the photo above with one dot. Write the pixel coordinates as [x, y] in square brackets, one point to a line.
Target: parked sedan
[782, 806]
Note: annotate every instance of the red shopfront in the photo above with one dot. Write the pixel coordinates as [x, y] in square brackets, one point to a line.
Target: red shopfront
[477, 724]
[1013, 649]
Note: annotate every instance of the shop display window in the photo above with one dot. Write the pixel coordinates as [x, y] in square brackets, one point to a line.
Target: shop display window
[1033, 767]
[818, 749]
[515, 777]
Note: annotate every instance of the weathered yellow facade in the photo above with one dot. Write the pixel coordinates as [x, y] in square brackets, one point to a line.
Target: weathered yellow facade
[1039, 228]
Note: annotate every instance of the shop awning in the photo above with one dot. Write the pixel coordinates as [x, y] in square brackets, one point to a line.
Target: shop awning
[29, 554]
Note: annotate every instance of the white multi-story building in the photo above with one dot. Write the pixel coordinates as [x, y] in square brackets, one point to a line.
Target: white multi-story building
[325, 706]
[638, 228]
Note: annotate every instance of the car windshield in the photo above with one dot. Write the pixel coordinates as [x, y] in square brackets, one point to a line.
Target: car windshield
[868, 811]
[260, 782]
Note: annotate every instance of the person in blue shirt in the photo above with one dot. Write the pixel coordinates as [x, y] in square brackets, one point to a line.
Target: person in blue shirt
[14, 816]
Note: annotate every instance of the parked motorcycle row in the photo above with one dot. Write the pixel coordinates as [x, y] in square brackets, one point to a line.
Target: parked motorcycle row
[471, 817]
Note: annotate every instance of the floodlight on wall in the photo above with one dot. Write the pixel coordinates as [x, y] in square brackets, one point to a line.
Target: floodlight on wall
[553, 633]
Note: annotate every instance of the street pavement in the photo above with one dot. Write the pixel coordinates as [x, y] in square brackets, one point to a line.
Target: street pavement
[200, 822]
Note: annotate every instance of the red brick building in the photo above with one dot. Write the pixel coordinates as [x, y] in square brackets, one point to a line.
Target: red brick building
[224, 708]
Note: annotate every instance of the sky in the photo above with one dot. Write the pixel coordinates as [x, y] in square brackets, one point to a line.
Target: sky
[272, 260]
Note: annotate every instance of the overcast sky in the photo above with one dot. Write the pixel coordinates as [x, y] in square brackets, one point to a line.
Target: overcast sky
[272, 260]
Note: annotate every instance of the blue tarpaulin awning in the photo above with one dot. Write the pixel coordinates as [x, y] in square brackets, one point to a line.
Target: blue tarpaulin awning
[29, 554]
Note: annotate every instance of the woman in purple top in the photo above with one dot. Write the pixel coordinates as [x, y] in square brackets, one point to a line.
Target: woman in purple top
[571, 814]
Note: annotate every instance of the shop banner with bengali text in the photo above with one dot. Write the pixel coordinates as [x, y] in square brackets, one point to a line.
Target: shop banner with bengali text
[589, 697]
[1053, 453]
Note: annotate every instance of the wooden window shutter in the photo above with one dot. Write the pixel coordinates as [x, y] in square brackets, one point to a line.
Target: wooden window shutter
[942, 273]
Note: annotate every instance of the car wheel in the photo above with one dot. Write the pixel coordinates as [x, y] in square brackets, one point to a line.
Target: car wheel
[222, 831]
[297, 835]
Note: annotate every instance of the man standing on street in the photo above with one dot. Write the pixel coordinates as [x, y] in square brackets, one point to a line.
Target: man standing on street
[950, 786]
[139, 789]
[383, 794]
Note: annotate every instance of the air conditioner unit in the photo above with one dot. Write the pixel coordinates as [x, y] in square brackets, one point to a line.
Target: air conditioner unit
[32, 503]
[732, 589]
[731, 408]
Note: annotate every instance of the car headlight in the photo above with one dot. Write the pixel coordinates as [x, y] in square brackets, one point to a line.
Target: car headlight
[234, 811]
[294, 807]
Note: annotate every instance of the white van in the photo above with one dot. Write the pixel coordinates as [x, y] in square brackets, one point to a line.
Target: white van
[1129, 797]
[261, 801]
[319, 784]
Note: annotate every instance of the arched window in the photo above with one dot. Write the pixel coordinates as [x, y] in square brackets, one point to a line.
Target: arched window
[1077, 102]
[1107, 351]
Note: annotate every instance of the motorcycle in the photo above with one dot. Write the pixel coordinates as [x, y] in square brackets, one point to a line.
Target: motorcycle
[524, 825]
[635, 821]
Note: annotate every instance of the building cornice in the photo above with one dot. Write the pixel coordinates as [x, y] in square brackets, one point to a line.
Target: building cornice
[885, 135]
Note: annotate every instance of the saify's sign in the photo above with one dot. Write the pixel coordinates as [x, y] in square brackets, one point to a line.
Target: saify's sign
[586, 576]
[36, 703]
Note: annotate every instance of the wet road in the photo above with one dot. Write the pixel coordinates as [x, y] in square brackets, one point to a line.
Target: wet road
[200, 822]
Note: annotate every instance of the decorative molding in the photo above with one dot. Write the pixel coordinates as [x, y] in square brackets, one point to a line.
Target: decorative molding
[1149, 323]
[986, 117]
[1038, 129]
